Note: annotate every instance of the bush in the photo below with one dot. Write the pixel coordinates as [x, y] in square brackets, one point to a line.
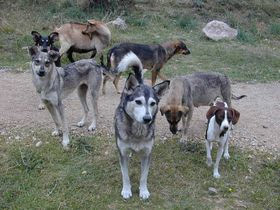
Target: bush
[275, 29]
[187, 22]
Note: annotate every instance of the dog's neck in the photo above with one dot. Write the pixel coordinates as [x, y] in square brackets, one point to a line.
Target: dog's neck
[169, 49]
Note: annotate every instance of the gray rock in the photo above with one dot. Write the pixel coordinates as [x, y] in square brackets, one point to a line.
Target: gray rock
[212, 191]
[118, 23]
[218, 30]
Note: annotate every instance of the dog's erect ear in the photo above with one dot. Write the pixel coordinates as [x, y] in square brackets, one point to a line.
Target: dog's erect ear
[211, 112]
[184, 110]
[33, 51]
[36, 36]
[164, 109]
[235, 115]
[161, 88]
[131, 83]
[54, 36]
[54, 55]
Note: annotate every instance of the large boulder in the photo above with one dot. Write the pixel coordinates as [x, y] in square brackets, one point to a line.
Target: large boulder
[218, 30]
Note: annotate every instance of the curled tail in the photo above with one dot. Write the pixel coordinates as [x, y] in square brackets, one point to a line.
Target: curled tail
[128, 60]
[234, 97]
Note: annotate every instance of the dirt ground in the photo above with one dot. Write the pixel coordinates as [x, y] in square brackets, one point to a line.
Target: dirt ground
[258, 128]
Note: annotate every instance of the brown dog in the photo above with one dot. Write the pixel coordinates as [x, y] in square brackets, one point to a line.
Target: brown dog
[187, 92]
[152, 57]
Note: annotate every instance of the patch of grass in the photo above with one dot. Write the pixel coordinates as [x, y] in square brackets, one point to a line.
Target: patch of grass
[89, 175]
[275, 29]
[187, 22]
[245, 36]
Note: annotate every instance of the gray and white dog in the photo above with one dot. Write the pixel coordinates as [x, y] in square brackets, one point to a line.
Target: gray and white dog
[135, 128]
[54, 84]
[187, 92]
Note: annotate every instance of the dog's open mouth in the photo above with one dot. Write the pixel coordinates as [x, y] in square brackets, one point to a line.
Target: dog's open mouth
[41, 74]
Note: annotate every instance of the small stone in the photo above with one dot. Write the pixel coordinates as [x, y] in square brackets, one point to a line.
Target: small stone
[39, 143]
[212, 191]
[84, 172]
[17, 137]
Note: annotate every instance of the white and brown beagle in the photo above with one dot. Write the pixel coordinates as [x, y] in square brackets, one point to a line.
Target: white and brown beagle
[220, 121]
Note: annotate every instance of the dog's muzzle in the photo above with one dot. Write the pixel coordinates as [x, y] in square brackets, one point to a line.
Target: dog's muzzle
[147, 119]
[173, 129]
[41, 73]
[186, 52]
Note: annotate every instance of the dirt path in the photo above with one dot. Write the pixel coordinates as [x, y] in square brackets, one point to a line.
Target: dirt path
[259, 125]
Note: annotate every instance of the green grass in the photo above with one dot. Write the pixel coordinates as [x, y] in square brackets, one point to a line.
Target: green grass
[88, 176]
[252, 56]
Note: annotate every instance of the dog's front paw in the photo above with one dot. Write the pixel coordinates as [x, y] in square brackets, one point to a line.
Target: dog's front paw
[126, 193]
[144, 194]
[41, 106]
[226, 156]
[92, 128]
[55, 132]
[216, 175]
[81, 123]
[209, 162]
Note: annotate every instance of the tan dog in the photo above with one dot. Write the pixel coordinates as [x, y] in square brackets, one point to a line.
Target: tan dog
[187, 92]
[83, 37]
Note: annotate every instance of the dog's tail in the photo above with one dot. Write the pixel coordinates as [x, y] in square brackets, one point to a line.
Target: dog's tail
[234, 97]
[128, 60]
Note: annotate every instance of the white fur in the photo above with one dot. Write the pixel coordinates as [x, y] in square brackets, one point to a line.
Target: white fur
[213, 134]
[130, 59]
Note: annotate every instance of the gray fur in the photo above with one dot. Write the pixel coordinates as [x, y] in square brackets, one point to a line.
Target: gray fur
[57, 83]
[131, 134]
[187, 92]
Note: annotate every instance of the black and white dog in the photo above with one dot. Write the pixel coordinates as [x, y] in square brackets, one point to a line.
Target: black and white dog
[220, 120]
[135, 128]
[46, 43]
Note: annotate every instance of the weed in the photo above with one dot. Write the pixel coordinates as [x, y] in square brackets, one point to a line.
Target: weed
[187, 22]
[275, 29]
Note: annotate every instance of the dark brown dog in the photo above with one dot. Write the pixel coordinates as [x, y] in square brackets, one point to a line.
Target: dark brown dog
[152, 57]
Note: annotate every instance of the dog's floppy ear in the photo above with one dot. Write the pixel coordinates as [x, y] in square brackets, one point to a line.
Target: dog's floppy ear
[36, 36]
[53, 36]
[54, 55]
[131, 83]
[33, 51]
[211, 112]
[164, 109]
[235, 115]
[184, 110]
[161, 88]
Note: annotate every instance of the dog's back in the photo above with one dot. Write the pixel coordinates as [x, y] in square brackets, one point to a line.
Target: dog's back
[207, 86]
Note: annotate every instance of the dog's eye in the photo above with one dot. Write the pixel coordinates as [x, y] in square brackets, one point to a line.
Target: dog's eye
[153, 103]
[37, 62]
[138, 102]
[47, 64]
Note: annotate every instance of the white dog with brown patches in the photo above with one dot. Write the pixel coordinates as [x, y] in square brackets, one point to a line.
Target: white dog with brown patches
[220, 120]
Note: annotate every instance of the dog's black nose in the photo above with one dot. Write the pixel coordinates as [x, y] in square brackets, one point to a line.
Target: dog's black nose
[225, 128]
[173, 130]
[147, 119]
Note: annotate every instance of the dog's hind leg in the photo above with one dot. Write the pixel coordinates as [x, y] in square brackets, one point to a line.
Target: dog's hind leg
[116, 83]
[82, 93]
[154, 76]
[41, 105]
[94, 92]
[105, 79]
[55, 118]
[145, 164]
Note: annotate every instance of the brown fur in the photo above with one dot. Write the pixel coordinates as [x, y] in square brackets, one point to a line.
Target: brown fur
[94, 35]
[162, 53]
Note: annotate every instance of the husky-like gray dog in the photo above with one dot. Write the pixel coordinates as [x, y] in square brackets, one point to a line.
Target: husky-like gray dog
[54, 84]
[135, 128]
